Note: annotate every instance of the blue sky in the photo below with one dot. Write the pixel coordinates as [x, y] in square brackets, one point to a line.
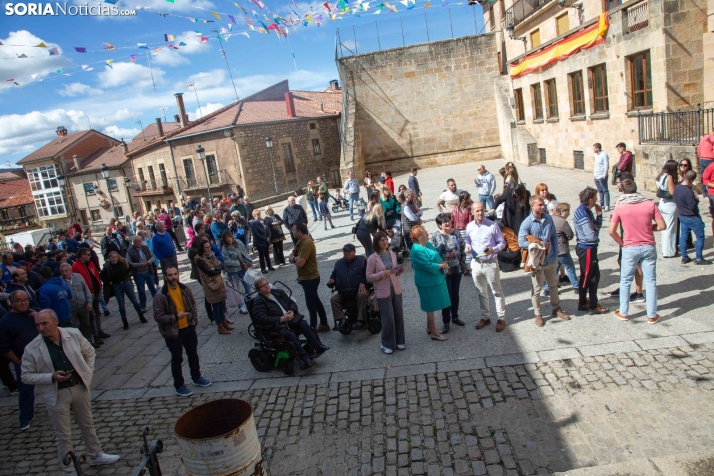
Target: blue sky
[114, 100]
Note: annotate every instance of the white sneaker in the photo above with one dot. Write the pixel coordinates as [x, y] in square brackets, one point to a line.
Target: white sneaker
[242, 309]
[385, 350]
[103, 459]
[401, 346]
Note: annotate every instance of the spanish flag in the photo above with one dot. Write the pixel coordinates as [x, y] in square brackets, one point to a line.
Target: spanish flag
[590, 37]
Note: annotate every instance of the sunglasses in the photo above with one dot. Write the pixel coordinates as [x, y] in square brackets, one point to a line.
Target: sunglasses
[684, 165]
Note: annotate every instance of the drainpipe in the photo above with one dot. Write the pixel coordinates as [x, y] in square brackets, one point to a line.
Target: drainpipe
[173, 163]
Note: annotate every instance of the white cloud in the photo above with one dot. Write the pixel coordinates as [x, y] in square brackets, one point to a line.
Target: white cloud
[78, 89]
[206, 109]
[23, 132]
[167, 57]
[38, 60]
[133, 74]
[121, 133]
[204, 80]
[172, 57]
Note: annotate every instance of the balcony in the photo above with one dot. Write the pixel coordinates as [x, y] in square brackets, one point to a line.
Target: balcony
[638, 17]
[152, 187]
[18, 223]
[218, 179]
[521, 10]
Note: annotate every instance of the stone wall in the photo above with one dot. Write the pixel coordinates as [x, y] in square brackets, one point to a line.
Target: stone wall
[650, 159]
[427, 105]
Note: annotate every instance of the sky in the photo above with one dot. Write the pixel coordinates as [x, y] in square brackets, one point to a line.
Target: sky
[108, 90]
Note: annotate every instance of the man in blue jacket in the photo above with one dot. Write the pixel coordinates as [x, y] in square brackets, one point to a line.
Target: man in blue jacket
[540, 228]
[7, 266]
[587, 231]
[349, 276]
[65, 243]
[164, 248]
[55, 295]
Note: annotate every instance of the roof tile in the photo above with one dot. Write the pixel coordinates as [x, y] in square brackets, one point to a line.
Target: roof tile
[54, 147]
[15, 192]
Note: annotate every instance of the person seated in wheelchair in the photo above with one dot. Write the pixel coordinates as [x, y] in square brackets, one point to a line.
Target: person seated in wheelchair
[274, 311]
[349, 278]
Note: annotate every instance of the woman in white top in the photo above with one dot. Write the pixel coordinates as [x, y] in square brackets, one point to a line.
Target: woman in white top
[666, 181]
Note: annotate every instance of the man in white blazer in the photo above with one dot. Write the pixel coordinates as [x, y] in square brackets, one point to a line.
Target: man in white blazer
[60, 364]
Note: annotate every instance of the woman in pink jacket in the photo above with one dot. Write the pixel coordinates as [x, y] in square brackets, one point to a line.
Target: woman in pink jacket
[383, 271]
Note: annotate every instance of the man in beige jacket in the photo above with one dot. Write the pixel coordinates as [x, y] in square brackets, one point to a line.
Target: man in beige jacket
[60, 364]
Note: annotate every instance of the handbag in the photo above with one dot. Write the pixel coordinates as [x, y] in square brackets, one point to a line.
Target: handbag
[663, 192]
[615, 173]
[215, 283]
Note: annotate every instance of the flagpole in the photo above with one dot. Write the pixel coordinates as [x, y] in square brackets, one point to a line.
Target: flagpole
[291, 52]
[220, 40]
[150, 70]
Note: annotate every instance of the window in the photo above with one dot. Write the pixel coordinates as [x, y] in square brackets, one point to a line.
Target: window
[335, 178]
[503, 8]
[188, 168]
[120, 211]
[43, 178]
[611, 4]
[316, 147]
[640, 81]
[598, 85]
[151, 174]
[551, 98]
[112, 184]
[561, 24]
[288, 158]
[537, 96]
[23, 211]
[49, 204]
[535, 39]
[96, 215]
[148, 206]
[577, 100]
[89, 189]
[5, 215]
[492, 18]
[141, 175]
[313, 126]
[520, 114]
[162, 172]
[211, 165]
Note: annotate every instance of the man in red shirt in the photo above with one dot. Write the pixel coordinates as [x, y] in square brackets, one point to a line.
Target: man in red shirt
[708, 185]
[705, 152]
[625, 162]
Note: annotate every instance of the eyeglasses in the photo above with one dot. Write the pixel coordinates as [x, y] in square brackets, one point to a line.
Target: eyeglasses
[684, 165]
[262, 286]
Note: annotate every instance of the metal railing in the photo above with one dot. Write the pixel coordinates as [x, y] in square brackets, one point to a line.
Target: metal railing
[412, 28]
[163, 186]
[521, 10]
[222, 177]
[680, 128]
[638, 17]
[20, 222]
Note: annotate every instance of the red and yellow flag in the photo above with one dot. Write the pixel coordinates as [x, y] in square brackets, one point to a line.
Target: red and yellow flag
[590, 37]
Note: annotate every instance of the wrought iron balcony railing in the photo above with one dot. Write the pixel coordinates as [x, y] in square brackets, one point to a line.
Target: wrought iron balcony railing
[20, 222]
[521, 10]
[220, 178]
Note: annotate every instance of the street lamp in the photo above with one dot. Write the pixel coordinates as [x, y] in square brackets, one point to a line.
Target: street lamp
[202, 157]
[269, 145]
[510, 29]
[105, 173]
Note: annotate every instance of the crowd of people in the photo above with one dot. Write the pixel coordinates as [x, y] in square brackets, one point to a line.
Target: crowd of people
[53, 298]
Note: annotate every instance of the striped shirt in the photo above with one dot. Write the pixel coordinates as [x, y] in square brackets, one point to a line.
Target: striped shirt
[587, 227]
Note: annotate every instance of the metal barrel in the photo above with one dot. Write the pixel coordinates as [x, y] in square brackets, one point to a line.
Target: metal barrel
[219, 438]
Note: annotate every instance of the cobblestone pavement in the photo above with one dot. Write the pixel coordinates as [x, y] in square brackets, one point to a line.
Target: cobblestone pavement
[526, 419]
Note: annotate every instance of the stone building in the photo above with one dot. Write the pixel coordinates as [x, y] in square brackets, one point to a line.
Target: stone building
[17, 205]
[47, 169]
[305, 133]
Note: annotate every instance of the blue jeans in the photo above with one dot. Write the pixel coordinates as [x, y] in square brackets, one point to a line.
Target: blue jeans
[239, 276]
[126, 289]
[603, 191]
[487, 201]
[315, 211]
[631, 257]
[102, 303]
[703, 164]
[150, 280]
[219, 311]
[353, 198]
[27, 398]
[567, 262]
[696, 225]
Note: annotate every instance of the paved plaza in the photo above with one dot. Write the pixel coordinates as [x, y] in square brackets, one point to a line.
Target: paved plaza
[587, 395]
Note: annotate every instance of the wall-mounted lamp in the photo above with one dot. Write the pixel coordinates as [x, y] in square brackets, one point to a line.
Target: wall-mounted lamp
[579, 6]
[510, 29]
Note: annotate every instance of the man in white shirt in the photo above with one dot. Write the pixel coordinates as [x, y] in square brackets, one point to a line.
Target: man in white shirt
[601, 168]
[486, 184]
[450, 198]
[351, 189]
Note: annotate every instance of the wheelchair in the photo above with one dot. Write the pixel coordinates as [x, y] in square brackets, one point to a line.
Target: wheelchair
[373, 320]
[271, 350]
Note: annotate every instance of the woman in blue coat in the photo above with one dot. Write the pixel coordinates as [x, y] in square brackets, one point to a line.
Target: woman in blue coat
[429, 278]
[261, 241]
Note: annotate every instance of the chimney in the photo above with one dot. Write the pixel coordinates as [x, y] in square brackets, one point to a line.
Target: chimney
[61, 131]
[75, 159]
[290, 104]
[335, 85]
[176, 118]
[124, 147]
[159, 126]
[183, 118]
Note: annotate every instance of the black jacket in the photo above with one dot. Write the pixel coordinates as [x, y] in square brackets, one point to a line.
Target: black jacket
[266, 312]
[294, 214]
[348, 276]
[109, 244]
[114, 273]
[513, 212]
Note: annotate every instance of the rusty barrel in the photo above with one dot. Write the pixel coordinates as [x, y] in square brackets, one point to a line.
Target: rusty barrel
[219, 438]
